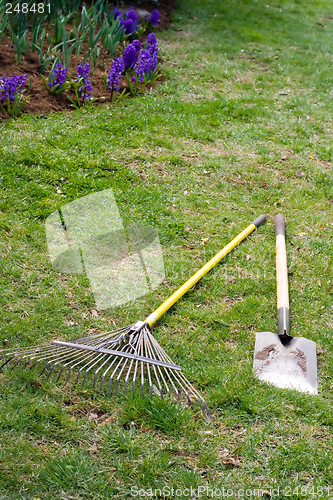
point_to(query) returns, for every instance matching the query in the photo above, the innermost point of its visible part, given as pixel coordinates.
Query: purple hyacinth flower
(3, 88)
(143, 65)
(151, 39)
(116, 13)
(11, 87)
(82, 77)
(115, 74)
(131, 14)
(152, 47)
(83, 72)
(127, 25)
(58, 76)
(154, 18)
(21, 82)
(130, 56)
(137, 45)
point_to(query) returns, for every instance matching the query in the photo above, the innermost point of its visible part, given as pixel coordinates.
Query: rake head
(126, 359)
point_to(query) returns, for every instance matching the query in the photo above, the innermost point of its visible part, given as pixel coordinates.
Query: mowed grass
(241, 125)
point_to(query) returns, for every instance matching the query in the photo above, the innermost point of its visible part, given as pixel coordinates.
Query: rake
(130, 353)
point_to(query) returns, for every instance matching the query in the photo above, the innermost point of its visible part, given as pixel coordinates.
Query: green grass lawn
(241, 125)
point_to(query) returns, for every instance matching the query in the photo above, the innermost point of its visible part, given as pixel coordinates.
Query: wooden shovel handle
(282, 275)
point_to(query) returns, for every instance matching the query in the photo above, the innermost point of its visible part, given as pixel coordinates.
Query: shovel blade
(291, 366)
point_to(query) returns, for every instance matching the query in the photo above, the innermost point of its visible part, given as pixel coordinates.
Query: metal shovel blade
(290, 364)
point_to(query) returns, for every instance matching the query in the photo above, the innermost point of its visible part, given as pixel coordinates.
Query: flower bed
(110, 46)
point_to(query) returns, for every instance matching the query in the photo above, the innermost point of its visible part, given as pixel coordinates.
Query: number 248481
(308, 491)
(25, 8)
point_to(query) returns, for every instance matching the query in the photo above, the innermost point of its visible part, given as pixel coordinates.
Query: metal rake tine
(70, 355)
(142, 374)
(119, 375)
(5, 355)
(110, 384)
(112, 375)
(57, 355)
(189, 400)
(134, 376)
(36, 354)
(166, 385)
(180, 378)
(99, 368)
(209, 415)
(102, 382)
(64, 356)
(78, 358)
(80, 361)
(78, 376)
(18, 361)
(127, 375)
(21, 356)
(52, 367)
(175, 388)
(68, 376)
(151, 384)
(183, 388)
(142, 381)
(104, 374)
(141, 353)
(136, 365)
(61, 371)
(148, 367)
(32, 366)
(84, 379)
(195, 394)
(57, 362)
(96, 371)
(89, 368)
(162, 357)
(151, 354)
(103, 377)
(36, 362)
(91, 355)
(8, 352)
(104, 339)
(114, 333)
(94, 382)
(46, 367)
(106, 371)
(85, 356)
(8, 361)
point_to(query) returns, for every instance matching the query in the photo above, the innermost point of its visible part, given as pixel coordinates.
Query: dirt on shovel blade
(290, 367)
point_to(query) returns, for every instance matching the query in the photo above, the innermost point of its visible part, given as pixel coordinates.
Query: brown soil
(266, 352)
(40, 101)
(301, 359)
(263, 355)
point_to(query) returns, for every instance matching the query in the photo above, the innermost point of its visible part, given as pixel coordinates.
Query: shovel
(282, 360)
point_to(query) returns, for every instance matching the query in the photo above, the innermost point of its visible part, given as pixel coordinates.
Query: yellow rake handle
(204, 270)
